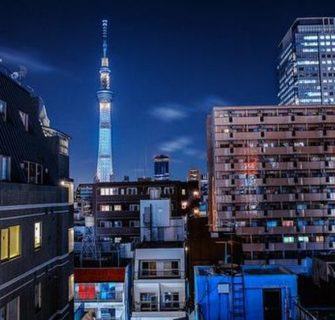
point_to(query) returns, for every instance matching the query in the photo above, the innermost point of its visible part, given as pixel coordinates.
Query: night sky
(170, 60)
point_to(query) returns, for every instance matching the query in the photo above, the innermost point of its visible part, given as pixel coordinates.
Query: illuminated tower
(105, 97)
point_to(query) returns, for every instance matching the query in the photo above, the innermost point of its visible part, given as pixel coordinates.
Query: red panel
(87, 275)
(86, 292)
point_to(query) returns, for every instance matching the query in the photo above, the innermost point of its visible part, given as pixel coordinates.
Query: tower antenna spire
(104, 37)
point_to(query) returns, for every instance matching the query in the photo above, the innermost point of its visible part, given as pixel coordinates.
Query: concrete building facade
(272, 180)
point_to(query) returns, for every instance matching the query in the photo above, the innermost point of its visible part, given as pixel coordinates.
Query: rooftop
(88, 275)
(232, 269)
(159, 244)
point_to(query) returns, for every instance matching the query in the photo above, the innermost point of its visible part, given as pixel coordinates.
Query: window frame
(38, 245)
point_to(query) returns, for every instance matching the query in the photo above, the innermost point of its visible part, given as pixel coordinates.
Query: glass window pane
(14, 241)
(4, 244)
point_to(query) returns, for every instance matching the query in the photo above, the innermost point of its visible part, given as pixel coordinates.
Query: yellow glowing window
(71, 239)
(4, 244)
(71, 287)
(14, 241)
(38, 235)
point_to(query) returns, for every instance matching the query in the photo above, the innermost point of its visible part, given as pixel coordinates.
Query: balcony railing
(117, 297)
(151, 306)
(154, 273)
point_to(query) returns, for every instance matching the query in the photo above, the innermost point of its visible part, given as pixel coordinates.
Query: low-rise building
(255, 292)
(159, 281)
(102, 292)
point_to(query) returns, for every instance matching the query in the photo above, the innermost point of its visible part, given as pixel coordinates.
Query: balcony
(88, 297)
(24, 193)
(119, 231)
(159, 274)
(153, 306)
(249, 230)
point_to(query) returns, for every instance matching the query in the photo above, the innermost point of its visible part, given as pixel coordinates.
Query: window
(33, 171)
(288, 223)
(171, 300)
(131, 191)
(11, 311)
(14, 241)
(38, 235)
(148, 301)
(4, 168)
(117, 224)
(4, 244)
(109, 191)
(288, 239)
(148, 268)
(3, 110)
(134, 223)
(171, 268)
(64, 146)
(134, 207)
(71, 239)
(117, 207)
(38, 296)
(303, 239)
(183, 192)
(71, 287)
(25, 120)
(319, 239)
(10, 242)
(105, 207)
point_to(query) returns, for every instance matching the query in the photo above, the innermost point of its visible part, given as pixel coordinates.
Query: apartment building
(36, 225)
(272, 180)
(116, 205)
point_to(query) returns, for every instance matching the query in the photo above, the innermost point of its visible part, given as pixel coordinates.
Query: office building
(105, 97)
(306, 69)
(272, 180)
(255, 292)
(161, 167)
(103, 293)
(36, 197)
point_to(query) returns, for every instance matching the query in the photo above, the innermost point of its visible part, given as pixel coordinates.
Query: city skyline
(170, 64)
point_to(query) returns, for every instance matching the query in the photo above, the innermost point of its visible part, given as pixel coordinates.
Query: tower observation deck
(105, 97)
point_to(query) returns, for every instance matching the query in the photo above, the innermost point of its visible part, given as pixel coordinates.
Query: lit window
(71, 239)
(25, 120)
(3, 109)
(303, 239)
(10, 242)
(288, 239)
(183, 192)
(4, 244)
(38, 235)
(4, 168)
(117, 207)
(288, 223)
(71, 287)
(184, 204)
(319, 239)
(14, 241)
(104, 207)
(38, 296)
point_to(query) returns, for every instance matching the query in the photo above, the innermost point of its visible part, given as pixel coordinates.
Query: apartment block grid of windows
(274, 179)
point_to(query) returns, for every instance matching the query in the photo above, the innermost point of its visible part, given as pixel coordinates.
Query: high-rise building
(272, 180)
(306, 67)
(105, 97)
(36, 224)
(161, 167)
